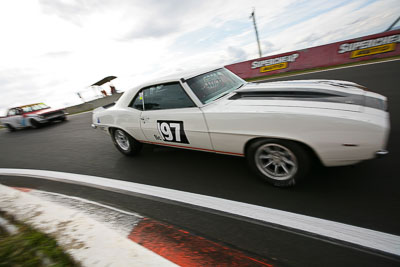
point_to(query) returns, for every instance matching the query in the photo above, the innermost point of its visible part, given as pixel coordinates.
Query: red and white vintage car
(34, 115)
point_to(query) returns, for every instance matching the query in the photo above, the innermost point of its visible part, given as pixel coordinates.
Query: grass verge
(278, 75)
(79, 112)
(30, 248)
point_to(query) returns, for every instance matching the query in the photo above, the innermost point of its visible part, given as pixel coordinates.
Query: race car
(33, 115)
(280, 127)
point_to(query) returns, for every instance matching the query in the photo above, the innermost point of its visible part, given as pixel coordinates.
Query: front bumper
(381, 153)
(45, 119)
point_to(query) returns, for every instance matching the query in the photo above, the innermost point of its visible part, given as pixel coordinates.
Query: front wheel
(35, 124)
(125, 143)
(279, 162)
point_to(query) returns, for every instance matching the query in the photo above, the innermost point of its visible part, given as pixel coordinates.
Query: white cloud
(237, 54)
(347, 21)
(52, 49)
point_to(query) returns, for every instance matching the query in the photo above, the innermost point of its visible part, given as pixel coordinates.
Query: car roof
(179, 75)
(127, 96)
(27, 105)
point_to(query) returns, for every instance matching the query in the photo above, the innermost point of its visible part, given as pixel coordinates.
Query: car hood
(327, 94)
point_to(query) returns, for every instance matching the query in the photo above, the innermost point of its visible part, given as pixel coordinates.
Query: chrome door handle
(144, 119)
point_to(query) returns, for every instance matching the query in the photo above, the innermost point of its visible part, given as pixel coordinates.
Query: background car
(33, 115)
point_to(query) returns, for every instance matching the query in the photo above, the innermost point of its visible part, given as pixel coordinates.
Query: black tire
(35, 124)
(10, 128)
(281, 163)
(63, 118)
(125, 143)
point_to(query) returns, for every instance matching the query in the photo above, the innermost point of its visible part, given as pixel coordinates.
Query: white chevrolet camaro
(280, 127)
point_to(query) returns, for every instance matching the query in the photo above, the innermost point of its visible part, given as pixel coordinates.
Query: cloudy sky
(52, 49)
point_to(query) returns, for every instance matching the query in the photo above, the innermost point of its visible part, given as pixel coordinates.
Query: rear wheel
(279, 162)
(10, 128)
(125, 143)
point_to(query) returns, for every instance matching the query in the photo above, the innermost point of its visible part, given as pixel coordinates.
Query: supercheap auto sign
(272, 64)
(379, 45)
(371, 46)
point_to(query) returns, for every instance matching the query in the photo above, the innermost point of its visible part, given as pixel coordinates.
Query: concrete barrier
(90, 105)
(355, 50)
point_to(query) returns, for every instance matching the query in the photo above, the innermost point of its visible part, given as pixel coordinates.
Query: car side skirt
(194, 148)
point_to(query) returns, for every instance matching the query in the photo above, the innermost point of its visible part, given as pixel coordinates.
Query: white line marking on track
(115, 219)
(89, 242)
(10, 228)
(93, 203)
(352, 234)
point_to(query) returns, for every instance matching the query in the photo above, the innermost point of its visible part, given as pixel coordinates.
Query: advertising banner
(364, 48)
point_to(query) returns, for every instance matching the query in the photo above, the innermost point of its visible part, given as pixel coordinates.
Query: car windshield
(215, 84)
(34, 107)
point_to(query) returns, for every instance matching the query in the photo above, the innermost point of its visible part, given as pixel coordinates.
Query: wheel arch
(306, 147)
(111, 130)
(134, 145)
(9, 126)
(31, 121)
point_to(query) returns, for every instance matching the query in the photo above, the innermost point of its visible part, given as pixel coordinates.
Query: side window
(137, 102)
(11, 112)
(166, 96)
(163, 96)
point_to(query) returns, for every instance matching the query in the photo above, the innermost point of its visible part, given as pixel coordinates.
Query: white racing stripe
(352, 234)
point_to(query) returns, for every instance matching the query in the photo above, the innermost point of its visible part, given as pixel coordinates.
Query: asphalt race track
(365, 195)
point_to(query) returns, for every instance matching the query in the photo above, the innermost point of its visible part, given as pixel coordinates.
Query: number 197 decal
(172, 131)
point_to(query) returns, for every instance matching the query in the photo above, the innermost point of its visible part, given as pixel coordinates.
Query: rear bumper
(100, 127)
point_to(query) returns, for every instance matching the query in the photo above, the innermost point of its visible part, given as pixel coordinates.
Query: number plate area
(172, 131)
(184, 127)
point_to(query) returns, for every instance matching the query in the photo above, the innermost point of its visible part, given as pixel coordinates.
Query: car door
(15, 118)
(170, 117)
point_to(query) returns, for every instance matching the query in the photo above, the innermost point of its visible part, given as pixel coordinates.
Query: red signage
(364, 48)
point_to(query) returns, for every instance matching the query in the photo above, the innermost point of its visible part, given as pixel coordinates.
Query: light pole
(394, 23)
(255, 28)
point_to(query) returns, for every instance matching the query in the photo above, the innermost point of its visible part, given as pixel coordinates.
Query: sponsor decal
(371, 46)
(373, 50)
(274, 63)
(212, 80)
(171, 131)
(278, 66)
